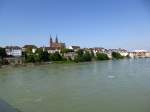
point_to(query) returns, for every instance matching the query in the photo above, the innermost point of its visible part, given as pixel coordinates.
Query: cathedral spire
(51, 41)
(56, 39)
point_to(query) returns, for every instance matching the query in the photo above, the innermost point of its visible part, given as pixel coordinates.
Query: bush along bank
(64, 56)
(59, 57)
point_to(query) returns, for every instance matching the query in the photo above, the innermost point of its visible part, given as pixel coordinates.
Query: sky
(88, 23)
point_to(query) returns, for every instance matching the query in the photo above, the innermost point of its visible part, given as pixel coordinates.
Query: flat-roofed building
(15, 51)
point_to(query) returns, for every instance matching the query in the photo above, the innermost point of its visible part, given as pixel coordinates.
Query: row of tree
(44, 56)
(82, 56)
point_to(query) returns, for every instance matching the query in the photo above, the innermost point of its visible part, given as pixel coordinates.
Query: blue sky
(88, 23)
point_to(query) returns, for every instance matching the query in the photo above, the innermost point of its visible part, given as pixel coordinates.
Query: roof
(32, 46)
(118, 50)
(13, 47)
(48, 48)
(75, 47)
(140, 50)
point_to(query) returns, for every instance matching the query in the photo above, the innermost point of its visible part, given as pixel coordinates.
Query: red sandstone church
(56, 44)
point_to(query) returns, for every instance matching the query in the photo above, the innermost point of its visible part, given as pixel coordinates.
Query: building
(14, 51)
(50, 50)
(74, 48)
(122, 52)
(70, 55)
(29, 48)
(99, 50)
(139, 54)
(15, 60)
(56, 44)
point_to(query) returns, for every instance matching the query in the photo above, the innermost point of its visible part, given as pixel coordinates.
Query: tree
(39, 52)
(56, 57)
(64, 50)
(2, 55)
(42, 55)
(80, 52)
(92, 53)
(30, 58)
(45, 56)
(83, 57)
(87, 56)
(117, 55)
(102, 56)
(37, 58)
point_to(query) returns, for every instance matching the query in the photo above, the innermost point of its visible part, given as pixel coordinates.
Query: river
(105, 86)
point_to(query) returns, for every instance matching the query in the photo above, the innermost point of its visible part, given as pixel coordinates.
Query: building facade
(13, 51)
(29, 48)
(56, 44)
(74, 48)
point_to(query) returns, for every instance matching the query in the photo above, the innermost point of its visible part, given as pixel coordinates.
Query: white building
(70, 55)
(140, 54)
(138, 51)
(51, 50)
(122, 52)
(75, 48)
(99, 50)
(13, 51)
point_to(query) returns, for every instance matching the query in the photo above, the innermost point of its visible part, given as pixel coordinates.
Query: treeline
(43, 56)
(81, 56)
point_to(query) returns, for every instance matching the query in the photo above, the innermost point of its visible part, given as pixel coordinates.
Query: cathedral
(56, 44)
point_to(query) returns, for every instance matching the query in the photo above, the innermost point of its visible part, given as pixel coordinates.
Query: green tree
(45, 56)
(80, 52)
(42, 55)
(2, 52)
(37, 58)
(117, 55)
(30, 58)
(56, 57)
(102, 56)
(64, 50)
(83, 57)
(92, 53)
(87, 56)
(39, 52)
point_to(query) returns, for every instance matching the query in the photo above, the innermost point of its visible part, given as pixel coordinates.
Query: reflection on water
(5, 107)
(107, 86)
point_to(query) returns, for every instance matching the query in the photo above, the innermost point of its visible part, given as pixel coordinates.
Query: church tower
(51, 41)
(56, 40)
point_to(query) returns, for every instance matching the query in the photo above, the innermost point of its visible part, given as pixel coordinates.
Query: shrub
(102, 56)
(116, 55)
(83, 57)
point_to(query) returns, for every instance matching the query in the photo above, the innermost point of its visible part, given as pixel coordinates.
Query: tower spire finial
(56, 39)
(51, 40)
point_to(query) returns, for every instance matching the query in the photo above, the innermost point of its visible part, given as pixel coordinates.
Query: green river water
(105, 86)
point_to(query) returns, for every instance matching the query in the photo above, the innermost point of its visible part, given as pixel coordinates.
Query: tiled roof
(12, 47)
(32, 46)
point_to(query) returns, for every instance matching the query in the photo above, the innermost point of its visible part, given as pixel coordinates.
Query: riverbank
(57, 62)
(45, 63)
(36, 64)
